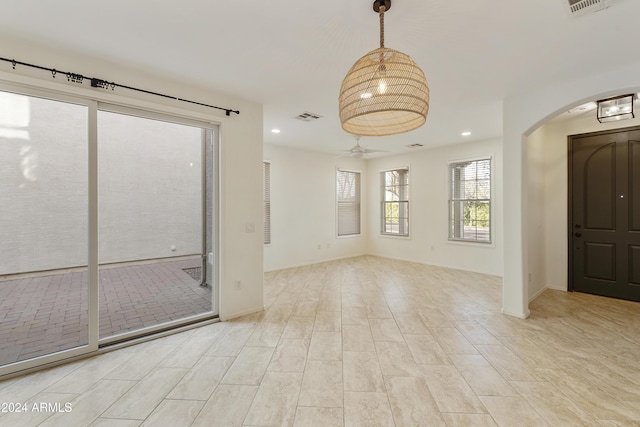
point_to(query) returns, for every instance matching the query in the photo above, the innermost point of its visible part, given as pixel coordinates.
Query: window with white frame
(266, 199)
(348, 202)
(395, 202)
(470, 200)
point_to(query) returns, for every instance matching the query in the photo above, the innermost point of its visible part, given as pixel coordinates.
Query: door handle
(578, 234)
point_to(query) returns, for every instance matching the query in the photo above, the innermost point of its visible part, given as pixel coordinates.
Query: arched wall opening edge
(522, 115)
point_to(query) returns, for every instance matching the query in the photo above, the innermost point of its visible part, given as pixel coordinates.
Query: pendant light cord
(382, 8)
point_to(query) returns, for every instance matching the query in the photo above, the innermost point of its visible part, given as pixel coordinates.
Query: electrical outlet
(237, 284)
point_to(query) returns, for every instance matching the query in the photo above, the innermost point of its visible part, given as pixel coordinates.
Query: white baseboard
(518, 315)
(537, 294)
(304, 264)
(452, 267)
(557, 288)
(320, 261)
(240, 314)
(541, 291)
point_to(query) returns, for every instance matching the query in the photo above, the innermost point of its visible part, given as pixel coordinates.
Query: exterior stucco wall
(149, 187)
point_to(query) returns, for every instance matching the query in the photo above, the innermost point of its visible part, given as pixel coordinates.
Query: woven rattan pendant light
(385, 92)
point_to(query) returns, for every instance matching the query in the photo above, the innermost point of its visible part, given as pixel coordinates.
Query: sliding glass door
(152, 228)
(44, 230)
(107, 225)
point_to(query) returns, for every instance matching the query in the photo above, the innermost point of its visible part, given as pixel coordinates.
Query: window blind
(348, 202)
(395, 202)
(266, 198)
(470, 201)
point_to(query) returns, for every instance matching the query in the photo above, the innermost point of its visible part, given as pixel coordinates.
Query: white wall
(241, 253)
(428, 223)
(537, 212)
(303, 208)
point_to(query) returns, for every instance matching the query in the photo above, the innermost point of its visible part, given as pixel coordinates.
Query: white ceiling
(291, 55)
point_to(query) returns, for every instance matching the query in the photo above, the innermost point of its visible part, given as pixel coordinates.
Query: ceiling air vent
(415, 145)
(581, 7)
(308, 117)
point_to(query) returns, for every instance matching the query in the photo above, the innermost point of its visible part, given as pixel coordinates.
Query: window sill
(395, 236)
(349, 236)
(472, 243)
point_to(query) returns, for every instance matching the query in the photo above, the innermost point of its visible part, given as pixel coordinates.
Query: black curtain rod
(103, 84)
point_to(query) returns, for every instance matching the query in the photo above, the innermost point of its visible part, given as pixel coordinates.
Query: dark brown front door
(604, 213)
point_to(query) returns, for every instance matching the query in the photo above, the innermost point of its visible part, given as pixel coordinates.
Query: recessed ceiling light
(275, 130)
(465, 133)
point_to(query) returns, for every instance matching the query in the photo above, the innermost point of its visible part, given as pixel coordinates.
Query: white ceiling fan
(358, 151)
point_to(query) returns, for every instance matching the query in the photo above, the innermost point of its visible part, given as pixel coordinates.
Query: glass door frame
(94, 104)
(207, 128)
(92, 228)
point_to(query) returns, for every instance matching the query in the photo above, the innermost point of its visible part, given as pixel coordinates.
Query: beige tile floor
(364, 342)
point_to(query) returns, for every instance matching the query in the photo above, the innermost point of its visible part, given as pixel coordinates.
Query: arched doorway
(522, 116)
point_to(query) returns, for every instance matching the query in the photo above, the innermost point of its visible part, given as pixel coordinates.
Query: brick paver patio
(41, 315)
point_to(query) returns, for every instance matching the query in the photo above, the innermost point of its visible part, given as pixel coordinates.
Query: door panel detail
(634, 186)
(599, 189)
(634, 265)
(600, 261)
